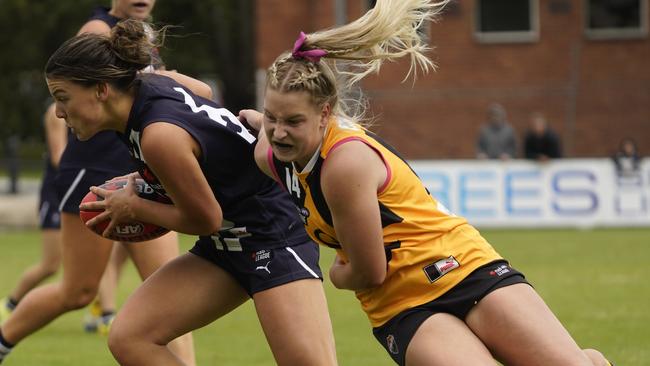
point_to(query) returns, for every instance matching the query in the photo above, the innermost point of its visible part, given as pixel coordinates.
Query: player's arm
(350, 190)
(253, 119)
(95, 26)
(56, 135)
(172, 154)
(196, 86)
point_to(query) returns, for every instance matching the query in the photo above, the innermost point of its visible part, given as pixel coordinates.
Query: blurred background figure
(627, 159)
(497, 137)
(49, 220)
(11, 147)
(629, 198)
(540, 141)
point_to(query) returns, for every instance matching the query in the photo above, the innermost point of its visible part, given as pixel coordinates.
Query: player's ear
(325, 112)
(101, 91)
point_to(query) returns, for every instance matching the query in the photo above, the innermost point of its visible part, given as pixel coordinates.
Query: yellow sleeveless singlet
(428, 249)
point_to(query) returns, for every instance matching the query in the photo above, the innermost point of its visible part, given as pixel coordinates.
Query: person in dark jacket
(541, 142)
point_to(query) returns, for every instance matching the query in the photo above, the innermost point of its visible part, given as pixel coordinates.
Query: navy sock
(5, 347)
(11, 303)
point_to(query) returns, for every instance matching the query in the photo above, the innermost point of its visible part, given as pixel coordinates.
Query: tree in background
(213, 38)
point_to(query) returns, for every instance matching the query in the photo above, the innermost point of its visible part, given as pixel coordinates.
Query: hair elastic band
(309, 55)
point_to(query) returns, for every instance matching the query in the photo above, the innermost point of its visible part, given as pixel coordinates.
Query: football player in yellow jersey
(435, 292)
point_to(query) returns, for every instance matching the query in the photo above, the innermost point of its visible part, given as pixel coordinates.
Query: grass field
(595, 281)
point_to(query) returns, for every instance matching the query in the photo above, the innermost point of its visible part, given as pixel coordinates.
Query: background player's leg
(109, 283)
(46, 267)
(85, 255)
(102, 310)
(148, 257)
(186, 294)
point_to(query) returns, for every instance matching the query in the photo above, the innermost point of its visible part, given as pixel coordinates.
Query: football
(132, 231)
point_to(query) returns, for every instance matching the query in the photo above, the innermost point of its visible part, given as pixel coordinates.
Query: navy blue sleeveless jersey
(103, 152)
(101, 13)
(257, 213)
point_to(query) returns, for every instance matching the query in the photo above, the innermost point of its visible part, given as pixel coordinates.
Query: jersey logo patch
(500, 270)
(440, 268)
(304, 214)
(392, 344)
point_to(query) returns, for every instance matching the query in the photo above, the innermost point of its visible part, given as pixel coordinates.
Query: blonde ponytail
(348, 53)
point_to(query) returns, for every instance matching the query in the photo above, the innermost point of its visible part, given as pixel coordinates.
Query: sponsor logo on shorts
(500, 270)
(440, 268)
(262, 259)
(392, 344)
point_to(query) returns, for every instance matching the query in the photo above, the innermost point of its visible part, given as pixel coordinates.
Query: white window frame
(617, 33)
(528, 36)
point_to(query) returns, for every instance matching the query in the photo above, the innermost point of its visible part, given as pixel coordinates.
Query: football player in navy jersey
(251, 240)
(85, 254)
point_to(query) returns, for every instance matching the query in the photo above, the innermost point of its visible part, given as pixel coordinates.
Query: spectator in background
(541, 142)
(497, 138)
(627, 158)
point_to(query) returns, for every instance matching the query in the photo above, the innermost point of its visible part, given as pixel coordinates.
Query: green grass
(595, 282)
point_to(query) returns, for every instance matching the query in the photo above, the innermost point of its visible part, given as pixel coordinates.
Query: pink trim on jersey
(269, 157)
(389, 172)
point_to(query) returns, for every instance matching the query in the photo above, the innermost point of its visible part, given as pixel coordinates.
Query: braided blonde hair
(355, 50)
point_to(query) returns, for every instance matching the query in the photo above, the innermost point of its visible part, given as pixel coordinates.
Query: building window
(500, 21)
(616, 19)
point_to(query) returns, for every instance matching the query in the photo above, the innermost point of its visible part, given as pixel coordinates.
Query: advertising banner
(559, 193)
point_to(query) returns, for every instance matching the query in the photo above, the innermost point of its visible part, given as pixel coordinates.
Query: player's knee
(49, 269)
(119, 345)
(124, 342)
(307, 358)
(78, 297)
(596, 358)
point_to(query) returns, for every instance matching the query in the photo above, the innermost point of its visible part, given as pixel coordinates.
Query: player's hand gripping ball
(131, 231)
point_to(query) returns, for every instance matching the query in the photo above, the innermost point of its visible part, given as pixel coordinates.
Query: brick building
(585, 64)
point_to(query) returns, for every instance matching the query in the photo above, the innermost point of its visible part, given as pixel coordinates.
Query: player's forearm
(347, 277)
(172, 218)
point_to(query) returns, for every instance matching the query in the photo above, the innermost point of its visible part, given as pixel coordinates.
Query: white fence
(561, 193)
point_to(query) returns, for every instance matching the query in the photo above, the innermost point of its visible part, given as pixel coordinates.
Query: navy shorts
(397, 333)
(259, 270)
(48, 207)
(72, 185)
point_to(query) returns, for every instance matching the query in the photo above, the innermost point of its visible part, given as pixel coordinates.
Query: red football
(132, 231)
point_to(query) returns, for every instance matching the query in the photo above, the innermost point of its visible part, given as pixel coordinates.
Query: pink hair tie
(309, 55)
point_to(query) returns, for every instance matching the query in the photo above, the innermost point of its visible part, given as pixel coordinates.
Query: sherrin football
(132, 231)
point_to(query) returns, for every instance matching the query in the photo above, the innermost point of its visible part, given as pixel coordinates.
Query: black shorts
(259, 270)
(397, 333)
(48, 207)
(72, 185)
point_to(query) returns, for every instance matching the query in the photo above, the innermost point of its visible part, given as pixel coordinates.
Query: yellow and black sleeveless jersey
(428, 250)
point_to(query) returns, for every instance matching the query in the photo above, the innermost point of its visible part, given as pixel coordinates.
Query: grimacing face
(294, 126)
(78, 105)
(133, 9)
